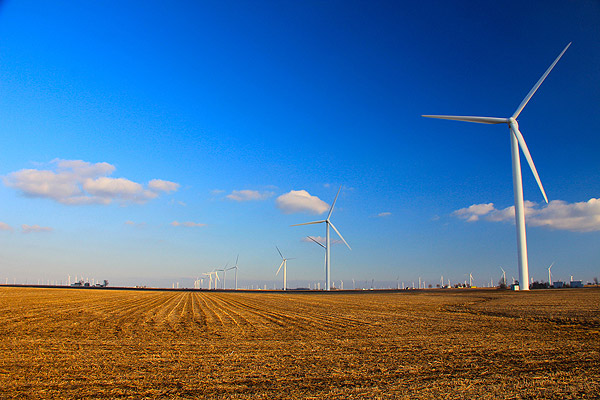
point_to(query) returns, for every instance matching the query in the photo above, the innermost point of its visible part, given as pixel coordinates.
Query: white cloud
(472, 213)
(384, 214)
(158, 185)
(76, 182)
(34, 228)
(111, 188)
(83, 168)
(300, 201)
(187, 224)
(558, 214)
(248, 195)
(5, 227)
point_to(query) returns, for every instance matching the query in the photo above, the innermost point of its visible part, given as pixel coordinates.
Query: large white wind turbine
(328, 223)
(284, 265)
(516, 140)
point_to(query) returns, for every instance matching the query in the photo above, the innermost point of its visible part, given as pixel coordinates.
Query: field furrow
(57, 343)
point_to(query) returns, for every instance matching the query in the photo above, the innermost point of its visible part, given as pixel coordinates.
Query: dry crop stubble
(66, 343)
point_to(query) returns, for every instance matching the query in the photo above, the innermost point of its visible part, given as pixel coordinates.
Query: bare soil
(436, 344)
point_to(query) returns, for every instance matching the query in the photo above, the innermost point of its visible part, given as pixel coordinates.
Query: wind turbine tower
(516, 141)
(328, 223)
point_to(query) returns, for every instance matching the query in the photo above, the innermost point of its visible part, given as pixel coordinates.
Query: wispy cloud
(187, 224)
(248, 195)
(135, 224)
(35, 228)
(384, 214)
(5, 227)
(558, 214)
(76, 182)
(300, 201)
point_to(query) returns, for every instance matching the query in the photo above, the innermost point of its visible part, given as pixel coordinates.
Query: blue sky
(147, 143)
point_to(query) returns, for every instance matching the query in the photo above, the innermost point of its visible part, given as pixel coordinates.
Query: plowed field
(66, 343)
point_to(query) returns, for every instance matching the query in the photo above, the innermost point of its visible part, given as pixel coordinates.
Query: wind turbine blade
(340, 235)
(279, 268)
(551, 265)
(466, 118)
(333, 205)
(537, 85)
(236, 260)
(279, 252)
(317, 242)
(515, 130)
(309, 223)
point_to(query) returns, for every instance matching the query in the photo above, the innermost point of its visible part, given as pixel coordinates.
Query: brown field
(65, 343)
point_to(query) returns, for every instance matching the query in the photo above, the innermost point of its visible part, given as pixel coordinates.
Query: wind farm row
(518, 144)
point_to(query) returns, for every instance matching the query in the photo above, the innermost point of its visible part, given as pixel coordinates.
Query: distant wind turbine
(236, 270)
(503, 276)
(284, 265)
(516, 140)
(550, 275)
(327, 245)
(224, 270)
(210, 276)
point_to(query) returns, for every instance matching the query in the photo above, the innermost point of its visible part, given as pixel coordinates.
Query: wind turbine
(516, 140)
(470, 279)
(236, 269)
(550, 275)
(284, 265)
(210, 276)
(224, 270)
(209, 279)
(503, 276)
(327, 245)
